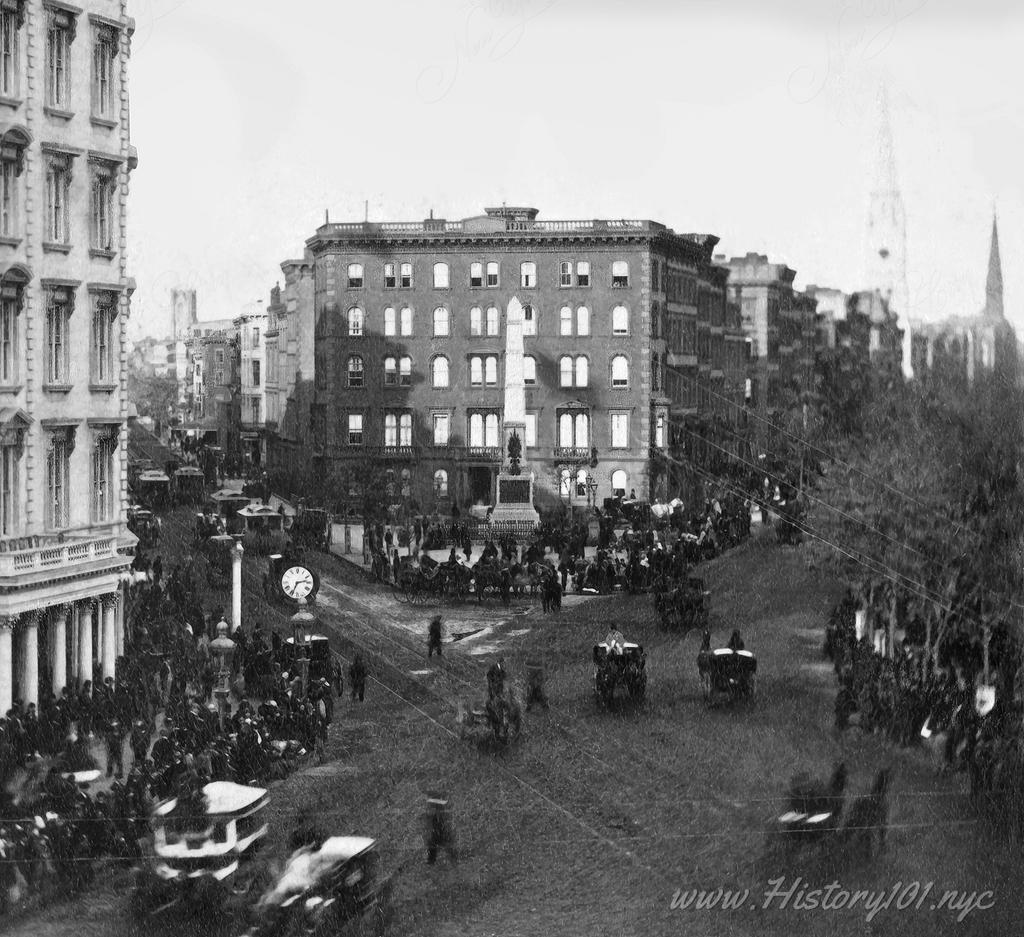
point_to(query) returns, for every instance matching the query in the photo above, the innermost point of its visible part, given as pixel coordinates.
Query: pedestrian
(434, 637)
(467, 546)
(357, 677)
(496, 678)
(396, 565)
(535, 692)
(115, 748)
(389, 538)
(139, 741)
(440, 831)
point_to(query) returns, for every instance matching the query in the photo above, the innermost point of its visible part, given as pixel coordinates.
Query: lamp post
(302, 624)
(223, 650)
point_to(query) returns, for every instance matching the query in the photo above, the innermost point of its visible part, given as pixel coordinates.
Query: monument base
(515, 500)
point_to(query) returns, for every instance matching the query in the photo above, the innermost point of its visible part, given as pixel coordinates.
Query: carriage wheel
(399, 593)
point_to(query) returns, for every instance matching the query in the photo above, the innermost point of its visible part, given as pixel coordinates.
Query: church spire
(994, 282)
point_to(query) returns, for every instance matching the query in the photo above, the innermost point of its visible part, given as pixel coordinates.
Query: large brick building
(65, 159)
(625, 338)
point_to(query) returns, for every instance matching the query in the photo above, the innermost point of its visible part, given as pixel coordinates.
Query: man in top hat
(434, 637)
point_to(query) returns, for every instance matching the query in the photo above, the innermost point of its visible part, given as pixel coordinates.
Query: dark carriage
(684, 607)
(143, 524)
(189, 485)
(728, 675)
(418, 586)
(153, 490)
(311, 528)
(619, 664)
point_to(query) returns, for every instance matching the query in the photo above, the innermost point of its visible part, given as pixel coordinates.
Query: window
(531, 431)
(355, 276)
(255, 373)
(440, 276)
(8, 489)
(390, 429)
(620, 430)
(620, 321)
(565, 321)
(355, 322)
(10, 354)
(104, 183)
(12, 161)
(573, 371)
(255, 338)
(619, 480)
(439, 371)
(476, 275)
(355, 429)
(390, 280)
(104, 313)
(440, 322)
(355, 371)
(58, 182)
(565, 273)
(59, 35)
(659, 431)
(476, 429)
(398, 428)
(583, 273)
(476, 371)
(406, 274)
(491, 370)
(254, 409)
(529, 321)
(390, 371)
(58, 458)
(390, 321)
(441, 483)
(441, 427)
(406, 322)
(565, 483)
(58, 313)
(9, 50)
(565, 371)
(405, 429)
(583, 321)
(405, 371)
(483, 369)
(573, 430)
(492, 320)
(492, 273)
(620, 371)
(582, 371)
(491, 430)
(476, 321)
(620, 273)
(528, 275)
(529, 370)
(581, 483)
(483, 429)
(218, 377)
(104, 55)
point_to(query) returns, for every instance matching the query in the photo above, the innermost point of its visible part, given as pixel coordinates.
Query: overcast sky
(754, 120)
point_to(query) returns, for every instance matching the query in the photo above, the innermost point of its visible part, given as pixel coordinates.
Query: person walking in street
(357, 677)
(434, 637)
(535, 692)
(440, 831)
(114, 737)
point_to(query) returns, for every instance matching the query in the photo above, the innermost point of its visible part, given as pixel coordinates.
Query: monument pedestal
(515, 500)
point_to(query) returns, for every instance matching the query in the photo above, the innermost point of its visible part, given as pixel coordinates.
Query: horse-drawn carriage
(145, 525)
(209, 525)
(500, 717)
(207, 854)
(726, 673)
(189, 485)
(418, 585)
(685, 606)
(619, 663)
(153, 490)
(311, 528)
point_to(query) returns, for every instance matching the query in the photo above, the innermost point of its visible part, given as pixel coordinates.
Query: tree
(154, 395)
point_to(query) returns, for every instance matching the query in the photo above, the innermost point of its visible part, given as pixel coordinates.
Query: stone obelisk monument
(515, 485)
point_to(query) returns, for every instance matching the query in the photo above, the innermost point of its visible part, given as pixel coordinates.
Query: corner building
(409, 351)
(65, 159)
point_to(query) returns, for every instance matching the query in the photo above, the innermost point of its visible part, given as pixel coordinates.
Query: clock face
(297, 582)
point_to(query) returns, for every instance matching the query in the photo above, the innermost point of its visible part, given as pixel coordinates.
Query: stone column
(236, 586)
(6, 664)
(109, 640)
(119, 622)
(30, 646)
(85, 612)
(76, 652)
(58, 648)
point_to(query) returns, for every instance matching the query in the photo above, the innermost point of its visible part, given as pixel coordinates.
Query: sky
(754, 120)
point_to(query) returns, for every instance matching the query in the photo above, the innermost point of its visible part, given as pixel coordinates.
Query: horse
(868, 819)
(551, 594)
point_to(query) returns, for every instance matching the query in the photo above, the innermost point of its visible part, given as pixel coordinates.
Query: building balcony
(572, 454)
(27, 555)
(393, 452)
(483, 453)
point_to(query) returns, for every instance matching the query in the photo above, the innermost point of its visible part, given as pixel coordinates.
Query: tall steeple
(994, 282)
(886, 260)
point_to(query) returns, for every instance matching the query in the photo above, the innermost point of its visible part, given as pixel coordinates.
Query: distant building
(863, 322)
(212, 360)
(251, 390)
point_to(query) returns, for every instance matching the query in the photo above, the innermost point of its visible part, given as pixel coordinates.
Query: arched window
(582, 371)
(565, 321)
(529, 369)
(581, 426)
(529, 321)
(390, 321)
(492, 273)
(620, 321)
(406, 322)
(476, 274)
(476, 370)
(390, 370)
(476, 429)
(440, 322)
(583, 321)
(390, 429)
(441, 483)
(620, 371)
(355, 371)
(355, 321)
(405, 371)
(440, 276)
(492, 320)
(406, 272)
(619, 483)
(491, 430)
(476, 321)
(565, 371)
(581, 483)
(439, 371)
(491, 369)
(564, 483)
(405, 432)
(355, 276)
(565, 429)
